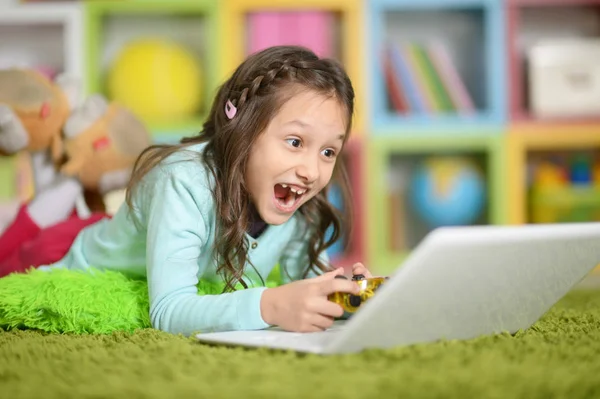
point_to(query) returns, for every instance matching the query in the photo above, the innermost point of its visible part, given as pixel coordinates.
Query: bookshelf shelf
(47, 37)
(441, 46)
(531, 23)
(542, 3)
(392, 164)
(234, 23)
(525, 141)
(588, 197)
(461, 44)
(190, 26)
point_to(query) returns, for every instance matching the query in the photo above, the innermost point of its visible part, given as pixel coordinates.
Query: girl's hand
(303, 306)
(359, 268)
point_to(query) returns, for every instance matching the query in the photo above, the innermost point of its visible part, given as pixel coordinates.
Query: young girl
(230, 204)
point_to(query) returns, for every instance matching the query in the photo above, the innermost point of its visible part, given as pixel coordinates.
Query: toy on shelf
(157, 79)
(448, 190)
(349, 302)
(565, 189)
(581, 169)
(563, 78)
(549, 174)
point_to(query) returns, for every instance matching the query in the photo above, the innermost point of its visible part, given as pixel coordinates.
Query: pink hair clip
(230, 109)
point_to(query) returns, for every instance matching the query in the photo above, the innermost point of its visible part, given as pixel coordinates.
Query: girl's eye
(329, 153)
(294, 142)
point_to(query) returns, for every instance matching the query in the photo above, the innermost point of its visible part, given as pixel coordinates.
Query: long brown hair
(257, 90)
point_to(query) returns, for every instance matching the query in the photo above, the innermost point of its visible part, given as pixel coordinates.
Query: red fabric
(32, 246)
(22, 229)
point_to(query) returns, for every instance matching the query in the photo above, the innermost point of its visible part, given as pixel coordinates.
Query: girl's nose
(308, 169)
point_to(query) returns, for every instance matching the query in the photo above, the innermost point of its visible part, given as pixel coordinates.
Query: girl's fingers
(328, 308)
(330, 286)
(330, 275)
(322, 322)
(359, 268)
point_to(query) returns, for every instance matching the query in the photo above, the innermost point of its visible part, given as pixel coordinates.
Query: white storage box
(564, 78)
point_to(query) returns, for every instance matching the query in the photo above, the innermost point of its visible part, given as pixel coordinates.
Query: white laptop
(459, 283)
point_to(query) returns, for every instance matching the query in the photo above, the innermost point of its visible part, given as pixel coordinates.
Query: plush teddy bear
(33, 111)
(93, 156)
(102, 142)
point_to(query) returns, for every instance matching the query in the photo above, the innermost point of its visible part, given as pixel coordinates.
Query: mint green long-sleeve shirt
(172, 246)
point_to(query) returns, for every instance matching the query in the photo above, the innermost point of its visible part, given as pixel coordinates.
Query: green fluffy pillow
(70, 301)
(65, 301)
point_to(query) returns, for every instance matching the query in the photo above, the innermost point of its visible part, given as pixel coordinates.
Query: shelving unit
(189, 25)
(532, 21)
(421, 44)
(49, 38)
(471, 32)
(524, 141)
(541, 149)
(349, 23)
(399, 127)
(408, 153)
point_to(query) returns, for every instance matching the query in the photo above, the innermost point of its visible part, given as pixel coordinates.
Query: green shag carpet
(558, 358)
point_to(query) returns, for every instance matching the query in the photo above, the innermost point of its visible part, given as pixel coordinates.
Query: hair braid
(276, 71)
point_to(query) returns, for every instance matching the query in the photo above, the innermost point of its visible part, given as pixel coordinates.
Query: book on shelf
(264, 30)
(312, 29)
(315, 31)
(422, 79)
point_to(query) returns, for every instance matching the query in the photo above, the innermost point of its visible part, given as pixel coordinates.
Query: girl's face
(293, 159)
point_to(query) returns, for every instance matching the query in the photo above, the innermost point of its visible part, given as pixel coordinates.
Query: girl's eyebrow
(305, 125)
(298, 122)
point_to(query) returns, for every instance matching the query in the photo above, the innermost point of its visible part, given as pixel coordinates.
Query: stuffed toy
(33, 110)
(93, 154)
(102, 142)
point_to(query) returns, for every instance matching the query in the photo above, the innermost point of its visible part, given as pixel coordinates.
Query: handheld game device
(350, 302)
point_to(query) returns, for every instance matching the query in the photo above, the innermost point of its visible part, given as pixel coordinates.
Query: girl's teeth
(296, 191)
(293, 189)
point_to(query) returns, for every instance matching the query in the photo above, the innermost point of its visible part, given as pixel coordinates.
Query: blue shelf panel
(430, 4)
(482, 21)
(401, 124)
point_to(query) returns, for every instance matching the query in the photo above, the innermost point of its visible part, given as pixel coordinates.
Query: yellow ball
(158, 80)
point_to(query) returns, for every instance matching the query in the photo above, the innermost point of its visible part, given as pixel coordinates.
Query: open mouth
(288, 197)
